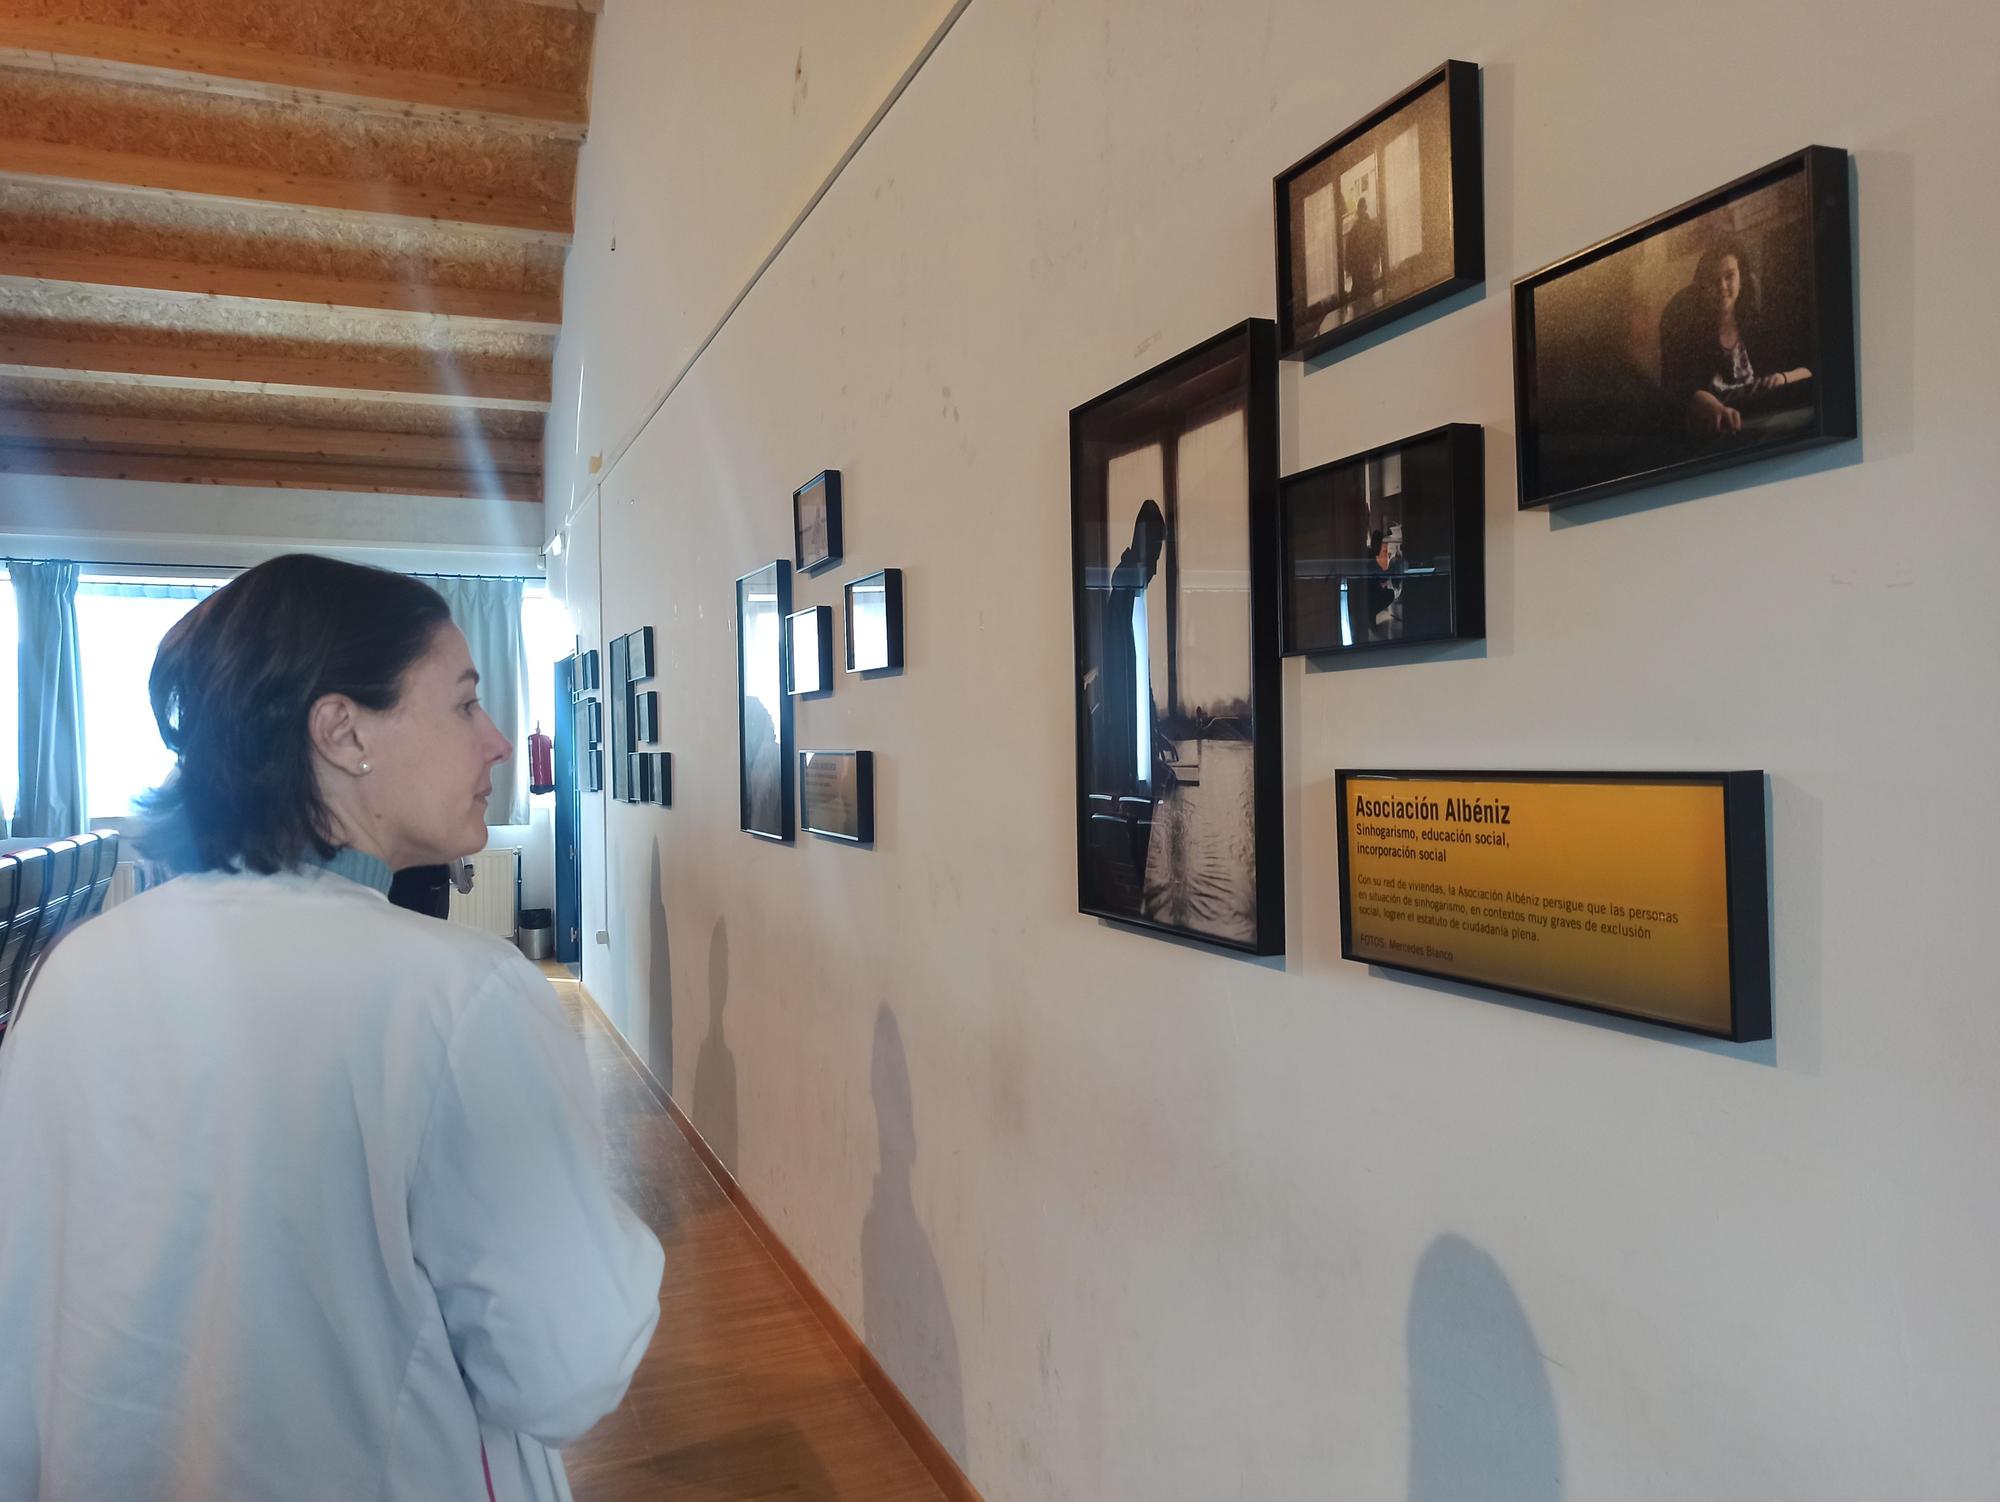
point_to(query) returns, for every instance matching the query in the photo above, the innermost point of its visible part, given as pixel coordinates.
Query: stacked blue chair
(28, 876)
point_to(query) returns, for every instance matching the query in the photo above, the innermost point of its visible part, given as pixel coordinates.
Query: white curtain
(488, 611)
(1213, 537)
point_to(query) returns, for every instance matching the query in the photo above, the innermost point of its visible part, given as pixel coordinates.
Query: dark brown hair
(233, 685)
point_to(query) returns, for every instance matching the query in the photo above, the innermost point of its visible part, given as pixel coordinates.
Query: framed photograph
(1174, 580)
(837, 794)
(589, 683)
(639, 654)
(593, 722)
(1386, 546)
(1719, 332)
(663, 778)
(875, 622)
(816, 521)
(591, 763)
(763, 708)
(647, 719)
(1386, 218)
(619, 655)
(811, 651)
(1640, 894)
(639, 776)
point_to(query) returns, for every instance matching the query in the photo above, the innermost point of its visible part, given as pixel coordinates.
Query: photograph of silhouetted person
(1364, 257)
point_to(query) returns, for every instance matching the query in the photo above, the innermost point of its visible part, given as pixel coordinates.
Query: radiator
(493, 905)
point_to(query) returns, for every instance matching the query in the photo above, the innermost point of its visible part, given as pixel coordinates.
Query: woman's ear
(334, 726)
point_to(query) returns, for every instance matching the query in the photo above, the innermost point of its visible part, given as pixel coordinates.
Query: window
(119, 625)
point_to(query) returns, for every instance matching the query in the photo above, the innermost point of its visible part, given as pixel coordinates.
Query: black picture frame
(663, 778)
(874, 605)
(845, 810)
(1592, 418)
(646, 721)
(809, 656)
(1204, 743)
(1386, 547)
(816, 539)
(1324, 299)
(619, 694)
(639, 777)
(763, 708)
(1745, 872)
(593, 722)
(639, 653)
(589, 684)
(591, 763)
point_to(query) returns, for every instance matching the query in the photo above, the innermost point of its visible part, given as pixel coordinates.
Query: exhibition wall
(1124, 1216)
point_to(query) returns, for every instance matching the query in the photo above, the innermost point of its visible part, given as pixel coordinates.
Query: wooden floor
(742, 1394)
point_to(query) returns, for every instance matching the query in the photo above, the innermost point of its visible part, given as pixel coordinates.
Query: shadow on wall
(1482, 1414)
(715, 1066)
(904, 1316)
(659, 982)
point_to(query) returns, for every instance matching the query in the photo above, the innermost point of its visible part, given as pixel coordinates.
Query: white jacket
(301, 1199)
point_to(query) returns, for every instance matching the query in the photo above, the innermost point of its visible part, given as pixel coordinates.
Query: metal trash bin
(538, 933)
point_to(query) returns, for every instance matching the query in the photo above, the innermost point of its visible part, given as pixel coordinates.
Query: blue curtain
(488, 611)
(51, 802)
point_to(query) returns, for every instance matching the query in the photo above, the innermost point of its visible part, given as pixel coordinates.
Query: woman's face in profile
(432, 758)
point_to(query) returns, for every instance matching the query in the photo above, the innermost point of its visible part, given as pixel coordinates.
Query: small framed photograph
(591, 763)
(875, 622)
(662, 778)
(593, 722)
(816, 521)
(763, 708)
(639, 777)
(589, 672)
(647, 717)
(1386, 546)
(837, 795)
(1719, 332)
(639, 654)
(811, 662)
(1386, 218)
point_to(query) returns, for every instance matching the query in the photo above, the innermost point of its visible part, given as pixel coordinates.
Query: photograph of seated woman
(1710, 342)
(303, 1192)
(1689, 342)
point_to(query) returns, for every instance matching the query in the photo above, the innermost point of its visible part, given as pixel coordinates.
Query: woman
(301, 1191)
(1706, 339)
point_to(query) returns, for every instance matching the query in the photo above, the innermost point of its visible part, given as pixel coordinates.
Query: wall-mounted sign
(1642, 895)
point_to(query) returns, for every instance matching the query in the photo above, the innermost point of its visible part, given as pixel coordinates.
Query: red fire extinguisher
(541, 762)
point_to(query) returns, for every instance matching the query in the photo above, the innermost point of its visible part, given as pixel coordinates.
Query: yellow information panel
(1643, 896)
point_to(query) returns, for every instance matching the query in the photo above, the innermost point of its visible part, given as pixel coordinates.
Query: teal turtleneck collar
(356, 865)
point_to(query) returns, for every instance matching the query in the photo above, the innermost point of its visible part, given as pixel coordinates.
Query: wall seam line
(909, 76)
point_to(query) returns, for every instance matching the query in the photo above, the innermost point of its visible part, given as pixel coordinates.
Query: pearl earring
(365, 767)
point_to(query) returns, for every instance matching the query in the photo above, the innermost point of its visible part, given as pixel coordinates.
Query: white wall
(724, 120)
(1128, 1219)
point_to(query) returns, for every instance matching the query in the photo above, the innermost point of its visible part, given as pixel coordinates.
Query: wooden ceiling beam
(30, 427)
(428, 383)
(584, 7)
(268, 473)
(125, 55)
(367, 200)
(483, 308)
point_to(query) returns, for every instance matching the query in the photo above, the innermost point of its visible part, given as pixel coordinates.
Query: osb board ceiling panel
(55, 312)
(296, 346)
(232, 406)
(498, 41)
(442, 155)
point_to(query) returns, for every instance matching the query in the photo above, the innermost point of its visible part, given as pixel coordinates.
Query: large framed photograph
(1719, 332)
(837, 795)
(816, 521)
(1640, 894)
(763, 708)
(1386, 218)
(1387, 546)
(875, 622)
(1173, 517)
